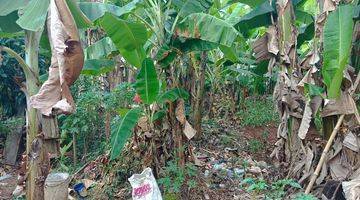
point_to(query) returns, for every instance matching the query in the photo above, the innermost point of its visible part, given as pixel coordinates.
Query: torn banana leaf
(66, 62)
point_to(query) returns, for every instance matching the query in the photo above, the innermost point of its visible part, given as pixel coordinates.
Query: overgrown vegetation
(132, 80)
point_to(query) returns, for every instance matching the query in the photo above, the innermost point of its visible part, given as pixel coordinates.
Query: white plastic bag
(144, 186)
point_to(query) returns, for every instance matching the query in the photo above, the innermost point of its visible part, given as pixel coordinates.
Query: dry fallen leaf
(189, 131)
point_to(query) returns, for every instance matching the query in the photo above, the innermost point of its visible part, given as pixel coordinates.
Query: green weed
(258, 112)
(175, 177)
(255, 146)
(275, 190)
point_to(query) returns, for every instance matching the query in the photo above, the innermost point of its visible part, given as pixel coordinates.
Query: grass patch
(258, 112)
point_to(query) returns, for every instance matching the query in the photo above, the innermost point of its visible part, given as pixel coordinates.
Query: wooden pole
(330, 141)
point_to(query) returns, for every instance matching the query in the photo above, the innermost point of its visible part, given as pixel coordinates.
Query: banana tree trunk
(37, 163)
(199, 98)
(288, 63)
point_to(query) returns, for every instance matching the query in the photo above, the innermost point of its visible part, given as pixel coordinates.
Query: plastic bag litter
(144, 186)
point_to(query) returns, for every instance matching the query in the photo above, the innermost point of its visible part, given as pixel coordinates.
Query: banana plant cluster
(148, 87)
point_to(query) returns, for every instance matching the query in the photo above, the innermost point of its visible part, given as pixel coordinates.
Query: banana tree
(31, 70)
(31, 24)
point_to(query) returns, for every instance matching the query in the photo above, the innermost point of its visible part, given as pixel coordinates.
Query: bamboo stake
(330, 141)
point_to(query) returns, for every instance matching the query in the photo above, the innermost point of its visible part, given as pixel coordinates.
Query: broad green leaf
(158, 115)
(125, 35)
(307, 27)
(173, 95)
(95, 10)
(305, 34)
(260, 16)
(34, 15)
(236, 11)
(187, 7)
(97, 67)
(147, 83)
(8, 23)
(192, 44)
(9, 6)
(100, 49)
(230, 53)
(337, 45)
(251, 3)
(124, 131)
(134, 57)
(208, 28)
(309, 6)
(165, 56)
(80, 19)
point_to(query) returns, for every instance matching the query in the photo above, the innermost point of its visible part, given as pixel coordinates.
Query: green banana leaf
(9, 6)
(165, 56)
(80, 19)
(158, 115)
(128, 37)
(125, 34)
(123, 132)
(173, 95)
(187, 7)
(338, 31)
(134, 57)
(230, 53)
(193, 44)
(96, 67)
(8, 23)
(307, 26)
(95, 10)
(147, 83)
(100, 49)
(251, 3)
(34, 15)
(260, 16)
(207, 28)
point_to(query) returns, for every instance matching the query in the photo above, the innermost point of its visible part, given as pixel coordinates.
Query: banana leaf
(173, 95)
(100, 49)
(80, 19)
(147, 83)
(95, 10)
(9, 6)
(187, 7)
(207, 28)
(260, 16)
(123, 132)
(96, 67)
(34, 15)
(338, 31)
(125, 34)
(8, 23)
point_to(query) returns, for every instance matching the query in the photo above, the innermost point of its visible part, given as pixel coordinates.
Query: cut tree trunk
(12, 145)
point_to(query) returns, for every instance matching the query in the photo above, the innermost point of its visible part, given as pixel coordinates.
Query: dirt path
(226, 152)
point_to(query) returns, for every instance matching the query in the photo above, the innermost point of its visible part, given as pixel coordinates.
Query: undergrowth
(258, 112)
